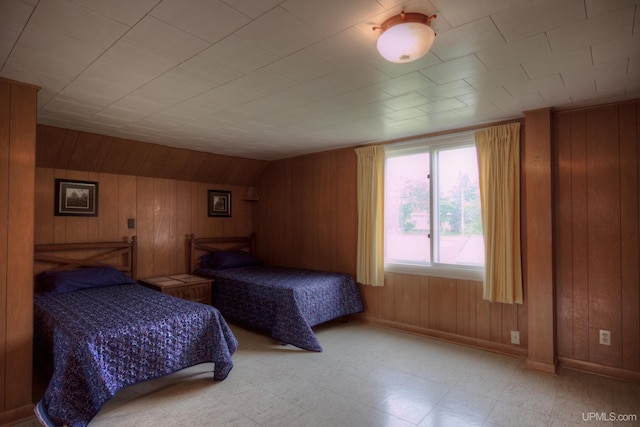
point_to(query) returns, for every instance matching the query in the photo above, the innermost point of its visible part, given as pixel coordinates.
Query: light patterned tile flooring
(369, 376)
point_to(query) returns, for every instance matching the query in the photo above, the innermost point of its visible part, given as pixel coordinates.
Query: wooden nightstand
(185, 286)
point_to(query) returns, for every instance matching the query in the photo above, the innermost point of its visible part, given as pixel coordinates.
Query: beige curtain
(370, 261)
(498, 151)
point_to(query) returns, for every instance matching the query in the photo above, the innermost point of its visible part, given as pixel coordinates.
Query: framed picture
(219, 203)
(76, 198)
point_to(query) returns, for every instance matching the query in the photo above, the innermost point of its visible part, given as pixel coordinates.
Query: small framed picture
(76, 198)
(219, 203)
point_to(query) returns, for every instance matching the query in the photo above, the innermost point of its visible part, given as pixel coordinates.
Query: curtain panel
(498, 150)
(370, 257)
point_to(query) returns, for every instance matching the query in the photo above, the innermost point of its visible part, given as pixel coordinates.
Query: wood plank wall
(597, 236)
(166, 211)
(307, 217)
(68, 149)
(17, 165)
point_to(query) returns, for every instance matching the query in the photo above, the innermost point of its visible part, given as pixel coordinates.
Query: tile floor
(368, 376)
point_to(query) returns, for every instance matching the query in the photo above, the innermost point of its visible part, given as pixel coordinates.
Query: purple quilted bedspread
(284, 302)
(105, 339)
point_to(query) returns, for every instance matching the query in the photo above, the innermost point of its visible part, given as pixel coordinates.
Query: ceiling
(270, 79)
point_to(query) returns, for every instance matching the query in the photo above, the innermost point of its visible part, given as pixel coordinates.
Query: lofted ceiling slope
(270, 79)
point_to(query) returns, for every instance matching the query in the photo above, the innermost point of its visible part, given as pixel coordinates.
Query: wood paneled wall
(166, 211)
(17, 165)
(307, 217)
(68, 149)
(597, 236)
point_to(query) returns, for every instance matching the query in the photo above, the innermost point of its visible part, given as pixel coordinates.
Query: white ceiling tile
(56, 46)
(169, 89)
(93, 91)
(123, 79)
(365, 95)
(128, 12)
(515, 52)
(615, 71)
(239, 54)
(264, 81)
(74, 20)
(280, 32)
(442, 105)
(592, 31)
(459, 12)
(448, 90)
(15, 15)
(132, 59)
(558, 63)
(600, 7)
(302, 66)
(405, 101)
(155, 36)
(210, 20)
(615, 49)
(456, 69)
(492, 79)
(253, 8)
(469, 38)
(203, 70)
(537, 16)
(322, 14)
(346, 48)
(404, 84)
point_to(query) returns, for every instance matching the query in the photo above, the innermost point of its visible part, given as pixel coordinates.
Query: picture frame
(219, 203)
(76, 198)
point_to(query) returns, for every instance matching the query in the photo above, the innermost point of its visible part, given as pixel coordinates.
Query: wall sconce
(250, 194)
(405, 37)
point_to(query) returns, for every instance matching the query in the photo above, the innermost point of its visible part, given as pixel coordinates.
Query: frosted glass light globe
(406, 42)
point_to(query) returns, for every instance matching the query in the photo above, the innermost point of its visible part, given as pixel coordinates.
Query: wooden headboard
(67, 256)
(198, 246)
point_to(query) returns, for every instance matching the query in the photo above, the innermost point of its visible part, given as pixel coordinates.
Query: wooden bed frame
(198, 246)
(68, 256)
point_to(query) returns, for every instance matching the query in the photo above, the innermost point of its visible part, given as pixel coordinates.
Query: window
(432, 208)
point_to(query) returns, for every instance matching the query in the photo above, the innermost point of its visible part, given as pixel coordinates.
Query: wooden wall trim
(538, 228)
(596, 368)
(481, 344)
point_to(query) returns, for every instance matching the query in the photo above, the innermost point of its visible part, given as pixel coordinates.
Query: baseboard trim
(594, 368)
(16, 415)
(544, 367)
(509, 350)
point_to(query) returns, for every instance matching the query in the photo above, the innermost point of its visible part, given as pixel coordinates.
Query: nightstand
(185, 286)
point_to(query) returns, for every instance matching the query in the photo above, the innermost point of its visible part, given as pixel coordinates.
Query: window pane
(407, 213)
(459, 238)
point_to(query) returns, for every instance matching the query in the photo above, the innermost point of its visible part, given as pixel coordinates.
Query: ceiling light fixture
(405, 37)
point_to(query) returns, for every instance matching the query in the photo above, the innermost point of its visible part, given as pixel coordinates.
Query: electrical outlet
(515, 337)
(605, 337)
(131, 223)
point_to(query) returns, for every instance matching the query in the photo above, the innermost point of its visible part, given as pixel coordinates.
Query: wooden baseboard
(509, 350)
(595, 368)
(16, 415)
(544, 367)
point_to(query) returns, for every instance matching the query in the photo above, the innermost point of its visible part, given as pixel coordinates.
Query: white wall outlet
(605, 337)
(515, 337)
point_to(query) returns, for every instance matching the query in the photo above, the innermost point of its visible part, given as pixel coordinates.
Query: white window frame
(431, 144)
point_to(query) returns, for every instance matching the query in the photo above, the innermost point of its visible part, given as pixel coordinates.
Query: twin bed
(97, 331)
(283, 302)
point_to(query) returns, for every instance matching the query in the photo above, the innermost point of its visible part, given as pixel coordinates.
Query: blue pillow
(221, 260)
(84, 278)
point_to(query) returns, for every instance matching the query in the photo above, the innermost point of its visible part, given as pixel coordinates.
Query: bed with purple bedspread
(283, 302)
(107, 338)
